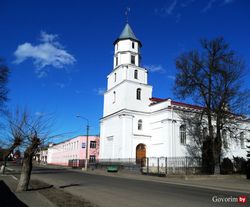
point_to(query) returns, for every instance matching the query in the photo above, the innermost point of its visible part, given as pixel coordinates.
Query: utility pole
(87, 141)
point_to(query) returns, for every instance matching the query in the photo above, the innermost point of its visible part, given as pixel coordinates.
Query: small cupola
(127, 33)
(127, 48)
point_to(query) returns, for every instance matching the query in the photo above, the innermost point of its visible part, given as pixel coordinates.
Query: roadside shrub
(226, 166)
(240, 165)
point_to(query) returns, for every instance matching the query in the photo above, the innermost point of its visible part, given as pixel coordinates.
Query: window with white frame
(92, 144)
(183, 134)
(139, 124)
(114, 97)
(138, 94)
(132, 59)
(92, 159)
(116, 61)
(135, 74)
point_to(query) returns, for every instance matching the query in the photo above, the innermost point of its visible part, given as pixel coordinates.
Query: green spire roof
(127, 33)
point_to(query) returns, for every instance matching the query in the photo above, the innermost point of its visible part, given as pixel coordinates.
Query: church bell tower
(126, 100)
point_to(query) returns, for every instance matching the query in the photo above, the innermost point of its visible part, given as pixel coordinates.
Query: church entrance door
(141, 154)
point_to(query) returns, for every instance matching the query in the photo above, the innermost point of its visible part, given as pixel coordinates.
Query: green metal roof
(127, 33)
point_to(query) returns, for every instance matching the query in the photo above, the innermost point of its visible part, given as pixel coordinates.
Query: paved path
(109, 191)
(9, 198)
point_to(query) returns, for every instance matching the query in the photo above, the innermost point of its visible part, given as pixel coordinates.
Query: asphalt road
(113, 192)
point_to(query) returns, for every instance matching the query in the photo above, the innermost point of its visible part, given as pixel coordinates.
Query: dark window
(92, 144)
(92, 159)
(242, 140)
(183, 134)
(133, 45)
(136, 74)
(115, 77)
(132, 59)
(138, 94)
(114, 97)
(116, 61)
(224, 138)
(140, 124)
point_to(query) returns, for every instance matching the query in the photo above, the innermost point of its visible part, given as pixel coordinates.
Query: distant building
(137, 125)
(72, 149)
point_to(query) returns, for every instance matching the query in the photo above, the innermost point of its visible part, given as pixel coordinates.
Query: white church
(137, 125)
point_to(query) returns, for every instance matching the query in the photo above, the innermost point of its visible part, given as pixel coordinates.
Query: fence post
(166, 165)
(147, 165)
(186, 164)
(158, 166)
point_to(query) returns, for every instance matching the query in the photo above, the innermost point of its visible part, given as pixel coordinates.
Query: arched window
(138, 94)
(139, 124)
(133, 45)
(242, 141)
(132, 59)
(115, 77)
(183, 134)
(136, 74)
(116, 61)
(114, 97)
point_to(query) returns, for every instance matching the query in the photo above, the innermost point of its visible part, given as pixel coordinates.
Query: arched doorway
(141, 154)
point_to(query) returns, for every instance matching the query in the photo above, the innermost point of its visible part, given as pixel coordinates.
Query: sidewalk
(22, 199)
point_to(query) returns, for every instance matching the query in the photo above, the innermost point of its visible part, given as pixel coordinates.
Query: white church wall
(125, 98)
(126, 72)
(110, 135)
(126, 45)
(116, 77)
(142, 73)
(160, 106)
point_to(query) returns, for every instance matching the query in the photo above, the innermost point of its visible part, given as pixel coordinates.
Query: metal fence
(172, 165)
(149, 165)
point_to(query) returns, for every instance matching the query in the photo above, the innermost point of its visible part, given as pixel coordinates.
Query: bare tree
(36, 131)
(15, 134)
(4, 74)
(213, 78)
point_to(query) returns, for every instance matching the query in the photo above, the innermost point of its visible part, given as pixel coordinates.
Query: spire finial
(126, 13)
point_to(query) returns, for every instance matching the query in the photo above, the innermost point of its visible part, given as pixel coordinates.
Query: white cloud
(38, 113)
(60, 85)
(167, 9)
(172, 77)
(48, 53)
(212, 2)
(100, 91)
(155, 68)
(208, 6)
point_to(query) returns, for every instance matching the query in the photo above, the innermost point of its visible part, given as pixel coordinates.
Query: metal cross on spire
(126, 13)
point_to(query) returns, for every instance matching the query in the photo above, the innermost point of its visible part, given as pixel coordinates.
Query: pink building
(73, 149)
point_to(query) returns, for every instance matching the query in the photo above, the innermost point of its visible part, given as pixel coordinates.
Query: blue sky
(60, 52)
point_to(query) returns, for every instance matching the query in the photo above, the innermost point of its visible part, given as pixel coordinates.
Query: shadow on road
(41, 188)
(8, 198)
(70, 185)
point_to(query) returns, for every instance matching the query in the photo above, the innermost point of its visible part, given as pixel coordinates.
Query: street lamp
(87, 140)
